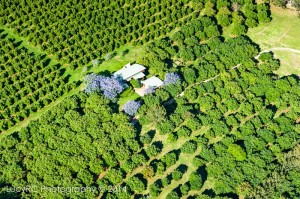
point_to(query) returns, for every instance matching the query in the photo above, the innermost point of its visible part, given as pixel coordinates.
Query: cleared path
(278, 49)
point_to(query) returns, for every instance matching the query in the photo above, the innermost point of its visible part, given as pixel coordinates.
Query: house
(128, 72)
(152, 82)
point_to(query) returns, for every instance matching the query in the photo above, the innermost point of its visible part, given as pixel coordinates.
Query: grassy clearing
(109, 66)
(185, 159)
(131, 95)
(282, 31)
(290, 63)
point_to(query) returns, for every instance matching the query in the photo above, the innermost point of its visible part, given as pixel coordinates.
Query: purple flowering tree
(111, 86)
(149, 90)
(92, 82)
(172, 78)
(131, 107)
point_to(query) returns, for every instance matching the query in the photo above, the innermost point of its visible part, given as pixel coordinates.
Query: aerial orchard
(210, 142)
(222, 125)
(28, 81)
(78, 32)
(239, 117)
(80, 138)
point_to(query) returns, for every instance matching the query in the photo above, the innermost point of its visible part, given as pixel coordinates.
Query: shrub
(237, 152)
(195, 181)
(154, 190)
(189, 147)
(146, 139)
(172, 195)
(184, 189)
(176, 175)
(135, 83)
(136, 184)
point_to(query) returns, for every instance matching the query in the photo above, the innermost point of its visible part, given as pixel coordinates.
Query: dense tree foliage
(70, 146)
(234, 110)
(28, 81)
(78, 32)
(222, 126)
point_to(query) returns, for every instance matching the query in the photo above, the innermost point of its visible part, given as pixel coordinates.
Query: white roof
(138, 75)
(153, 82)
(129, 70)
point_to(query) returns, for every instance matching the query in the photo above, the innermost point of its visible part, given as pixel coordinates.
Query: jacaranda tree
(172, 78)
(131, 107)
(149, 90)
(92, 83)
(111, 86)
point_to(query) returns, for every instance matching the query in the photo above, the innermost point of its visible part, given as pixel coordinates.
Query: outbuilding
(153, 82)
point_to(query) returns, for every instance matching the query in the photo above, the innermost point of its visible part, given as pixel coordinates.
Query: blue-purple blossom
(92, 82)
(172, 78)
(131, 107)
(149, 90)
(111, 86)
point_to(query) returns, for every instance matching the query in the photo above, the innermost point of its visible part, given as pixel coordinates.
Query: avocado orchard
(28, 81)
(224, 125)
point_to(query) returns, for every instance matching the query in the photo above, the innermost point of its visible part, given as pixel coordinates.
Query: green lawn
(128, 94)
(290, 63)
(114, 64)
(282, 31)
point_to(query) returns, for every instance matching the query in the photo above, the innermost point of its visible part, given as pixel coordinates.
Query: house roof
(153, 82)
(138, 75)
(129, 70)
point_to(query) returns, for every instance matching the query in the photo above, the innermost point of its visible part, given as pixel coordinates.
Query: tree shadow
(17, 44)
(272, 107)
(62, 71)
(46, 62)
(158, 183)
(138, 127)
(158, 144)
(202, 171)
(4, 35)
(7, 191)
(66, 79)
(12, 40)
(151, 133)
(229, 195)
(43, 56)
(125, 52)
(105, 73)
(209, 192)
(192, 197)
(177, 152)
(141, 177)
(183, 168)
